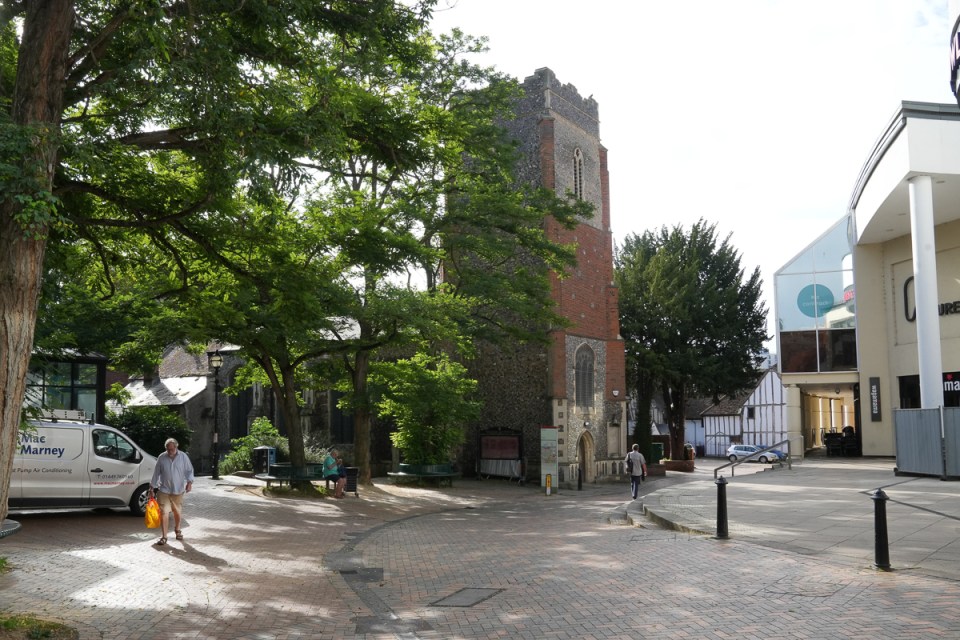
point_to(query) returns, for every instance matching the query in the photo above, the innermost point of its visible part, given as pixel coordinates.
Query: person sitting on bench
(331, 472)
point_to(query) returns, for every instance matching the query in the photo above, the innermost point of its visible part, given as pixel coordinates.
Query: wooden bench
(284, 472)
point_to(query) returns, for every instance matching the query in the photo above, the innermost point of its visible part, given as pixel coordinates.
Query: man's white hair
(169, 440)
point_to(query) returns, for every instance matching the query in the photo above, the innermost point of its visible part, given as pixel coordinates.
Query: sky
(755, 115)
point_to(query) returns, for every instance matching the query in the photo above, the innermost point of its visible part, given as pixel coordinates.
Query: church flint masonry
(576, 383)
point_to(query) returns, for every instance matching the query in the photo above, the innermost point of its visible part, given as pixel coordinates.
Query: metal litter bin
(263, 457)
(656, 452)
(352, 474)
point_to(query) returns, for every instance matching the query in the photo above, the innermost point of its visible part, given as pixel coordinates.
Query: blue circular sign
(814, 300)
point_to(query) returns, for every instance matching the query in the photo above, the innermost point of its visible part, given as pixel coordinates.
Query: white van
(70, 463)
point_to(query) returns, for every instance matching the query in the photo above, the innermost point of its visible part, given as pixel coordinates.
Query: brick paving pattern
(479, 560)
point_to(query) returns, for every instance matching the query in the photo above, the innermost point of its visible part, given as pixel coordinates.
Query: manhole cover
(395, 626)
(466, 597)
(368, 574)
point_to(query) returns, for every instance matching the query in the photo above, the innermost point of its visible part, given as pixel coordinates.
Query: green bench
(434, 473)
(285, 472)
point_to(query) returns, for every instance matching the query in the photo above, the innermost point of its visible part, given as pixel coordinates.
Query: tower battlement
(545, 92)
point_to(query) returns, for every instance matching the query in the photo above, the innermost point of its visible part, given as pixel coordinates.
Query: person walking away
(172, 479)
(637, 467)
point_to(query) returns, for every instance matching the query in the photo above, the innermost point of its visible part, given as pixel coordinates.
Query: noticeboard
(548, 455)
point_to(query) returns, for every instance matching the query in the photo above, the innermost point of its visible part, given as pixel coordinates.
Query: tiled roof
(728, 405)
(167, 391)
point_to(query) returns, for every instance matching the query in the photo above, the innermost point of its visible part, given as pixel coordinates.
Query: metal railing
(733, 465)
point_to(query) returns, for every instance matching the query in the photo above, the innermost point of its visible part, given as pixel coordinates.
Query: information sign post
(548, 457)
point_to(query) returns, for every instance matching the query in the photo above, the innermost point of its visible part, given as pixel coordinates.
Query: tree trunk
(37, 102)
(643, 392)
(287, 397)
(361, 415)
(676, 412)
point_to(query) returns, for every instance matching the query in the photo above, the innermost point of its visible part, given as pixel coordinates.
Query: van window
(108, 444)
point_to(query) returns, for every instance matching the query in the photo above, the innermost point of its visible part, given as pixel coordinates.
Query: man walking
(172, 478)
(637, 467)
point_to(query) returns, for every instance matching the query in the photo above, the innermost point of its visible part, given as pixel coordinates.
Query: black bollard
(882, 548)
(579, 479)
(722, 508)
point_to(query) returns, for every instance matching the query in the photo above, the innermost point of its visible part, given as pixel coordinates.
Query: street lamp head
(215, 360)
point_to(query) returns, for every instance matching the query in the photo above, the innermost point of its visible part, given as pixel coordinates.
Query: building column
(923, 239)
(795, 421)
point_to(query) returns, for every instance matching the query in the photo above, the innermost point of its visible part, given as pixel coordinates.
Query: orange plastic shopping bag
(152, 517)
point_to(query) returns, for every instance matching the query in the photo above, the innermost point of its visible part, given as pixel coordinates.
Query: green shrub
(262, 433)
(428, 398)
(150, 427)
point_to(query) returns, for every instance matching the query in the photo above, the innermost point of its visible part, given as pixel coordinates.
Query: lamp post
(215, 361)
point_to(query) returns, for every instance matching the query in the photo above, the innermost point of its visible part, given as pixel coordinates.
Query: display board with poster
(549, 462)
(501, 454)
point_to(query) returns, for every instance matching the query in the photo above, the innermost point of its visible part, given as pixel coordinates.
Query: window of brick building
(584, 377)
(578, 174)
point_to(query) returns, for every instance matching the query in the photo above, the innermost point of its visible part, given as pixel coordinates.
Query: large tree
(452, 218)
(340, 256)
(692, 320)
(145, 115)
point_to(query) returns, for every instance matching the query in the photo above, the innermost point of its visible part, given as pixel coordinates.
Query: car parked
(780, 454)
(750, 452)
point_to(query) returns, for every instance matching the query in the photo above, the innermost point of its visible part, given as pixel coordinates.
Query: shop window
(910, 390)
(838, 350)
(816, 306)
(63, 385)
(798, 351)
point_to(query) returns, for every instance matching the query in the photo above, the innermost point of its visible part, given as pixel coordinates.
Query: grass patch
(3, 565)
(30, 628)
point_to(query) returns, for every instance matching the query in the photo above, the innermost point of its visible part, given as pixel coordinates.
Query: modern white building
(868, 316)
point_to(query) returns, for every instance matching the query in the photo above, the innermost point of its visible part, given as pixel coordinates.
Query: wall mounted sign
(910, 311)
(875, 400)
(814, 300)
(954, 58)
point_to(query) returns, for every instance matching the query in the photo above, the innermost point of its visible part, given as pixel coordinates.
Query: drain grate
(466, 597)
(366, 574)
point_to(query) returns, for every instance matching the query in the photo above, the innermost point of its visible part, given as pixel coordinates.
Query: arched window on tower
(583, 377)
(578, 173)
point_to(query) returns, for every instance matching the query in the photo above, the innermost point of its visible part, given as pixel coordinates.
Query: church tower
(577, 383)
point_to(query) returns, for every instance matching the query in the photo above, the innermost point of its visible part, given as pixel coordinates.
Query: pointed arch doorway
(586, 452)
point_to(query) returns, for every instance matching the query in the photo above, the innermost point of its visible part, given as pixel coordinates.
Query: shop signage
(814, 300)
(910, 311)
(954, 60)
(874, 399)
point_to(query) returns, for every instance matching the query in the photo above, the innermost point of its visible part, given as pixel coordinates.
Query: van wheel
(138, 503)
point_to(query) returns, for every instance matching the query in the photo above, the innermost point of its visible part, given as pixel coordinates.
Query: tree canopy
(692, 320)
(271, 174)
(131, 126)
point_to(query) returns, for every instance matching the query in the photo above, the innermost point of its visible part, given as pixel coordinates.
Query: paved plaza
(491, 559)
